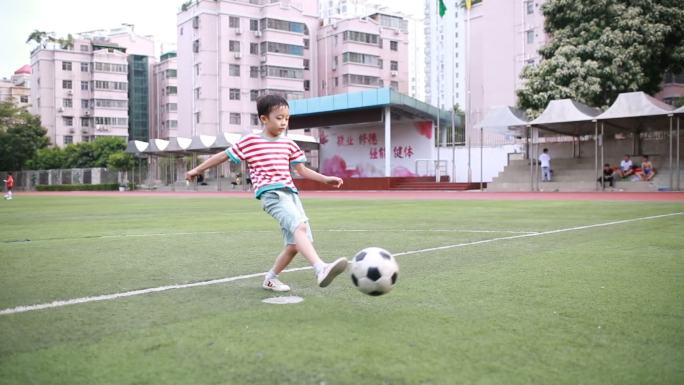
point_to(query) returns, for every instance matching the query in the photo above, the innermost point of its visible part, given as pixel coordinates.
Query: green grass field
(599, 305)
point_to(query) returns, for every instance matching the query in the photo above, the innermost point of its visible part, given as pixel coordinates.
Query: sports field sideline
(141, 288)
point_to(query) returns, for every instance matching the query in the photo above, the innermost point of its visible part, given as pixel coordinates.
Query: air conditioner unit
(237, 55)
(70, 93)
(238, 31)
(263, 58)
(334, 26)
(394, 73)
(257, 33)
(87, 113)
(84, 130)
(71, 130)
(60, 109)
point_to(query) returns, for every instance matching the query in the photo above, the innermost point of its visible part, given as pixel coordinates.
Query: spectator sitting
(647, 171)
(608, 176)
(236, 182)
(626, 167)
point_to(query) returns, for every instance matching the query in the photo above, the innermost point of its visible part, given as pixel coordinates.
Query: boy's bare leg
(304, 246)
(284, 258)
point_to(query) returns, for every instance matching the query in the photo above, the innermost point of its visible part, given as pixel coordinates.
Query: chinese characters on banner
(375, 151)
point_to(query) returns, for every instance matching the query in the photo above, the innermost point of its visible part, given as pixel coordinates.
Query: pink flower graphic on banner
(337, 166)
(402, 171)
(425, 129)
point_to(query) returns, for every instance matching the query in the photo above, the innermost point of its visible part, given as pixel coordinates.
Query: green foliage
(21, 136)
(120, 161)
(598, 49)
(80, 155)
(78, 187)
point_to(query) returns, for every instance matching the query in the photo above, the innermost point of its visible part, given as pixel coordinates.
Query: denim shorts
(286, 208)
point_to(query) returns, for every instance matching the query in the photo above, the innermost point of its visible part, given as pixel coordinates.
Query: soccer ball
(374, 271)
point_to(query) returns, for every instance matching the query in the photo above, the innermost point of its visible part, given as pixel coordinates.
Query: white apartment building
(230, 52)
(445, 55)
(18, 87)
(166, 97)
(361, 53)
(83, 90)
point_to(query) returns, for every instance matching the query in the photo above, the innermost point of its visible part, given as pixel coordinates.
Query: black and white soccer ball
(374, 271)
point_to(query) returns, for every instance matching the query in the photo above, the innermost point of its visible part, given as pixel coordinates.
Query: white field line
(270, 231)
(106, 297)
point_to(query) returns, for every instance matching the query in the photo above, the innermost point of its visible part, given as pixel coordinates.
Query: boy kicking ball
(269, 156)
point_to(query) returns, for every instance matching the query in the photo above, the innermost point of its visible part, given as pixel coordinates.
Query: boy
(647, 171)
(626, 167)
(9, 184)
(269, 156)
(608, 176)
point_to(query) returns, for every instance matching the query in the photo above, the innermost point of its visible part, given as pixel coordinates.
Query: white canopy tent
(503, 120)
(636, 112)
(561, 117)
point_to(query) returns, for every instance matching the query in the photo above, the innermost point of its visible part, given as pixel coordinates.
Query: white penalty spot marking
(287, 300)
(54, 304)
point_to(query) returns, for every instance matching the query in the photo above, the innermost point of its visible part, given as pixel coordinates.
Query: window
(84, 67)
(234, 118)
(394, 85)
(306, 43)
(24, 99)
(306, 64)
(307, 85)
(171, 90)
(171, 73)
(283, 25)
(530, 7)
(254, 48)
(68, 121)
(198, 92)
(253, 95)
(234, 46)
(254, 119)
(67, 103)
(394, 65)
(84, 48)
(111, 67)
(172, 107)
(66, 84)
(234, 94)
(234, 69)
(254, 25)
(85, 122)
(197, 117)
(361, 58)
(84, 85)
(85, 103)
(394, 45)
(195, 22)
(530, 36)
(233, 22)
(363, 80)
(361, 37)
(68, 139)
(66, 66)
(253, 72)
(282, 72)
(197, 69)
(337, 81)
(288, 49)
(195, 46)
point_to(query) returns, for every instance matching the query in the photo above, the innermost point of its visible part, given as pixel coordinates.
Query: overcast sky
(18, 18)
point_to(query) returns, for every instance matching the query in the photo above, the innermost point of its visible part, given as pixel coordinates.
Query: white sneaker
(274, 284)
(330, 271)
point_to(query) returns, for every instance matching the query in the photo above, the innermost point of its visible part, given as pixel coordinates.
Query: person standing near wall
(545, 162)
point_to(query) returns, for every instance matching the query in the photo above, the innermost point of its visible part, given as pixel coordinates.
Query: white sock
(318, 267)
(271, 274)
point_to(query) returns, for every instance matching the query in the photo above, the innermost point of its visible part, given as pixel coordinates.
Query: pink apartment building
(18, 87)
(82, 91)
(232, 51)
(361, 53)
(165, 123)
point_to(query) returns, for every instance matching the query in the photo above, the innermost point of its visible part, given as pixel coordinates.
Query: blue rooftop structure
(303, 111)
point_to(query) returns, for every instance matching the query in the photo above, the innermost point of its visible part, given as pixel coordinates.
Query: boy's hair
(606, 165)
(9, 173)
(267, 103)
(546, 150)
(646, 157)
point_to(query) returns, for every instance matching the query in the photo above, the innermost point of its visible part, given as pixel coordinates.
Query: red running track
(399, 195)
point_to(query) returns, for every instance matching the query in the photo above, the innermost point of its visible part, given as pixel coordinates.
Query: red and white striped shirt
(269, 160)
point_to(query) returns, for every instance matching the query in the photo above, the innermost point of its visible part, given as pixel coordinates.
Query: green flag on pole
(442, 8)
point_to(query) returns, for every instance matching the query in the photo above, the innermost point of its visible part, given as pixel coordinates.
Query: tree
(121, 161)
(21, 135)
(601, 48)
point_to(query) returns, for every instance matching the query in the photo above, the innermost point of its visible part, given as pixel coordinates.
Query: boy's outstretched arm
(308, 173)
(213, 161)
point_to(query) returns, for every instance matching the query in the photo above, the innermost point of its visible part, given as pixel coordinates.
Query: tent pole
(671, 170)
(481, 151)
(603, 184)
(596, 151)
(529, 157)
(678, 186)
